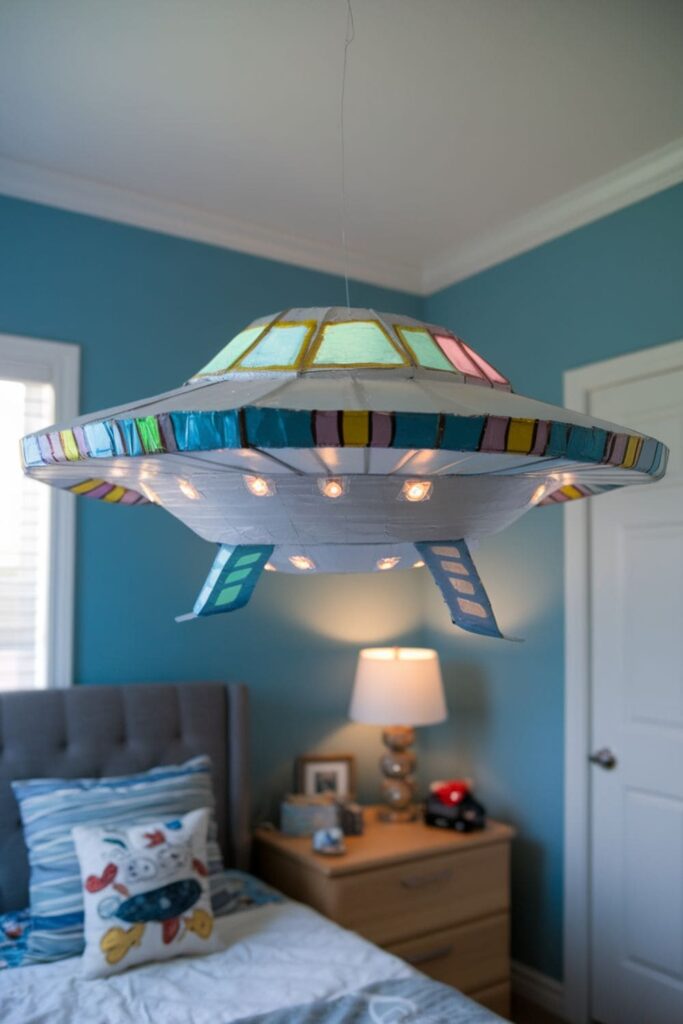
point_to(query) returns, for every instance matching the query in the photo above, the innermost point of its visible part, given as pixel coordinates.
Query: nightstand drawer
(469, 957)
(400, 901)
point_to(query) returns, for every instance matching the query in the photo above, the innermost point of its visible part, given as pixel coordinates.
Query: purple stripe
(382, 427)
(495, 433)
(99, 492)
(81, 443)
(616, 456)
(541, 439)
(327, 429)
(130, 498)
(55, 442)
(45, 449)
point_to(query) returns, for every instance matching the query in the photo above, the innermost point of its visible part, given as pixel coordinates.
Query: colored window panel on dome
(356, 343)
(456, 354)
(488, 370)
(423, 348)
(233, 351)
(280, 348)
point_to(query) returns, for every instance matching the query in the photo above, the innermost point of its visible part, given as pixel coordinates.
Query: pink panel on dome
(488, 370)
(455, 353)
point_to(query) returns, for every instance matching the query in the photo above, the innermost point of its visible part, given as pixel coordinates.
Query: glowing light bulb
(302, 562)
(416, 490)
(269, 567)
(387, 563)
(150, 494)
(259, 486)
(188, 490)
(332, 487)
(538, 494)
(418, 565)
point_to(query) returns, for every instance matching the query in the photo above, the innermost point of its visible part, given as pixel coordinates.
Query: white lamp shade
(398, 686)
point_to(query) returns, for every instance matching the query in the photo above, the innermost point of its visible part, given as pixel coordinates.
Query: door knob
(604, 758)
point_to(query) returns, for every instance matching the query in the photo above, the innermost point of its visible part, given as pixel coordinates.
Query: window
(38, 386)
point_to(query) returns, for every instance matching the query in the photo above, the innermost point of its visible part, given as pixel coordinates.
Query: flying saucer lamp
(330, 440)
(401, 685)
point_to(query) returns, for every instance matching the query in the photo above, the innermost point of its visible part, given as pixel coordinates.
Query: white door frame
(577, 791)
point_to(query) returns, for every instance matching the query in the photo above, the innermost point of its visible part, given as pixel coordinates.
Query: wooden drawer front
(495, 998)
(469, 957)
(403, 900)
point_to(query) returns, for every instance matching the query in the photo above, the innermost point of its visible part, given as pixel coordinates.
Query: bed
(279, 962)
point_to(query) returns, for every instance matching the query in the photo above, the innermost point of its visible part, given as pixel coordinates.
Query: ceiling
(474, 128)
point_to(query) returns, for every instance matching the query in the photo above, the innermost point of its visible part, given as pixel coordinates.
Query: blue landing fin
(234, 574)
(455, 574)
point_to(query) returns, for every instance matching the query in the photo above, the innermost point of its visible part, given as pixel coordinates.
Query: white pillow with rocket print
(145, 891)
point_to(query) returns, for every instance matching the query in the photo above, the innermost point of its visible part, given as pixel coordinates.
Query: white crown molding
(82, 195)
(538, 988)
(636, 180)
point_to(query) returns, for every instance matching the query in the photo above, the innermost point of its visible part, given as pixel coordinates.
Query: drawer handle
(417, 881)
(438, 953)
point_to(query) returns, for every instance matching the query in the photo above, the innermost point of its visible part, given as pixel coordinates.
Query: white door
(636, 663)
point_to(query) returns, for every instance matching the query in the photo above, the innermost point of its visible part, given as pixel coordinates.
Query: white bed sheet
(274, 956)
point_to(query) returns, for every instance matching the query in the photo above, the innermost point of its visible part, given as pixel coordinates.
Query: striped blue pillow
(51, 807)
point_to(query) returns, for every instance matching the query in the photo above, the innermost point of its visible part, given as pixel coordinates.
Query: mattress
(272, 957)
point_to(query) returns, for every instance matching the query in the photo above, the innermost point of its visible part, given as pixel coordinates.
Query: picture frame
(326, 774)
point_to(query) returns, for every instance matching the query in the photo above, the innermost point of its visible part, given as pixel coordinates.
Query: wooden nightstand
(438, 899)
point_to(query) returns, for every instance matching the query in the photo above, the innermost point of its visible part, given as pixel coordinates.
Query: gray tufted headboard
(90, 731)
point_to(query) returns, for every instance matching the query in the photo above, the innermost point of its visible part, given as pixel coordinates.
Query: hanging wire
(350, 34)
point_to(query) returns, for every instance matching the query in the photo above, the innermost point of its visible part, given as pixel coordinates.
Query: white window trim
(58, 363)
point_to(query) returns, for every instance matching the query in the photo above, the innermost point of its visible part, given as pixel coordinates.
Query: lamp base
(398, 766)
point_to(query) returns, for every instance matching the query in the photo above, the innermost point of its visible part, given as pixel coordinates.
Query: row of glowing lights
(305, 564)
(335, 487)
(329, 487)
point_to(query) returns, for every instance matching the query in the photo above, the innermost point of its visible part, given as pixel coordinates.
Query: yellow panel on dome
(235, 348)
(355, 343)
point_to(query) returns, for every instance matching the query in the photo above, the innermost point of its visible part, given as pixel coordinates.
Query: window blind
(25, 406)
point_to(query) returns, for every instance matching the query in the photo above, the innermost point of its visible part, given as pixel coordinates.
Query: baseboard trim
(538, 988)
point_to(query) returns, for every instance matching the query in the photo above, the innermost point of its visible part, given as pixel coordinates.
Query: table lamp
(401, 685)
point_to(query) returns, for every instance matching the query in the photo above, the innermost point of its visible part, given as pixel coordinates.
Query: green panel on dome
(280, 347)
(356, 343)
(424, 348)
(235, 348)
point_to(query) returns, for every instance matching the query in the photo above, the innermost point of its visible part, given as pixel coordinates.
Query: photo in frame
(326, 775)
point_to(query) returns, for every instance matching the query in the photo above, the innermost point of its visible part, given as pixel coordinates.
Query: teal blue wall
(149, 309)
(612, 287)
